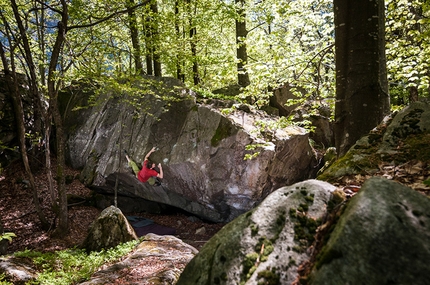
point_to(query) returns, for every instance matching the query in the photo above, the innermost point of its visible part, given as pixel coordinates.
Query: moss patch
(304, 226)
(269, 277)
(417, 147)
(225, 129)
(249, 264)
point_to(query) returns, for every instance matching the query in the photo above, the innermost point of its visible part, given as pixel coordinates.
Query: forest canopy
(287, 42)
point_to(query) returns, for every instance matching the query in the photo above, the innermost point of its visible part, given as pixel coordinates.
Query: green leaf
(7, 236)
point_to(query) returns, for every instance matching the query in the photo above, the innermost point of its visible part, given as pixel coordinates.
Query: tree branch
(109, 16)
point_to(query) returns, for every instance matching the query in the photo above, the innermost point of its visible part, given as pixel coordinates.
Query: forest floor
(19, 216)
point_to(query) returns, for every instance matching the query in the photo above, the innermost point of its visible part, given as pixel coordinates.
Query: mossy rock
(406, 138)
(225, 129)
(382, 237)
(258, 246)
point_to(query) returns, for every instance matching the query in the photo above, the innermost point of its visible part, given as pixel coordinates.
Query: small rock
(201, 231)
(110, 229)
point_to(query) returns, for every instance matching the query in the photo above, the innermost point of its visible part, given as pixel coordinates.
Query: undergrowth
(69, 266)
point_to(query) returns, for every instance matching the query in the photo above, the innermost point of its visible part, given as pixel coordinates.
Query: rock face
(160, 260)
(266, 244)
(16, 271)
(109, 230)
(399, 140)
(201, 148)
(383, 237)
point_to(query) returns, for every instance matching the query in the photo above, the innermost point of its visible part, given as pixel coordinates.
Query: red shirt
(145, 173)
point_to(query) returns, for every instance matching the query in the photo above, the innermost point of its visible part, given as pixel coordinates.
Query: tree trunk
(63, 223)
(148, 29)
(134, 37)
(153, 65)
(362, 98)
(192, 33)
(12, 83)
(19, 113)
(155, 40)
(179, 63)
(242, 54)
(196, 77)
(413, 94)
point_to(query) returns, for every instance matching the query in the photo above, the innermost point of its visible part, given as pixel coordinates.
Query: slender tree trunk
(241, 34)
(19, 113)
(62, 228)
(47, 118)
(155, 39)
(135, 37)
(39, 111)
(362, 98)
(179, 62)
(13, 86)
(149, 45)
(47, 146)
(153, 65)
(196, 77)
(413, 93)
(193, 45)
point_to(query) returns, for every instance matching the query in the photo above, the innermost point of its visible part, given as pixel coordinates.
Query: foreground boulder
(383, 237)
(266, 244)
(202, 148)
(16, 271)
(158, 259)
(109, 230)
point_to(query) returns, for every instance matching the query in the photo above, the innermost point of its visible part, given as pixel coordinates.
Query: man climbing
(149, 171)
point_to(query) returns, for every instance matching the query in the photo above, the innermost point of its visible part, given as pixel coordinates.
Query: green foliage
(253, 148)
(3, 280)
(269, 276)
(206, 94)
(249, 263)
(287, 43)
(73, 265)
(7, 236)
(408, 48)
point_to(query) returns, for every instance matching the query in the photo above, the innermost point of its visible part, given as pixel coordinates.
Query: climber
(150, 172)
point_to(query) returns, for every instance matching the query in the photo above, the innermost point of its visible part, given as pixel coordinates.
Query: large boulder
(202, 148)
(16, 271)
(383, 237)
(109, 230)
(158, 259)
(266, 244)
